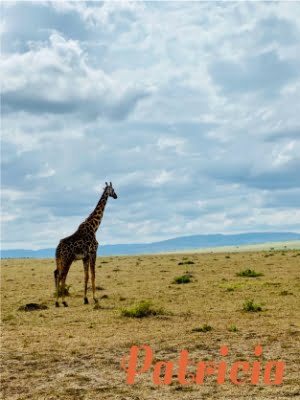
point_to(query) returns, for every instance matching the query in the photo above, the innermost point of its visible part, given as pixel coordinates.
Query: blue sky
(191, 109)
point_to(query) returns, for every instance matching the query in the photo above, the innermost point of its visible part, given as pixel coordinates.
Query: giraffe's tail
(56, 278)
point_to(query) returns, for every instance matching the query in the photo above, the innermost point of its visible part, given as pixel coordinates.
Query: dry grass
(76, 352)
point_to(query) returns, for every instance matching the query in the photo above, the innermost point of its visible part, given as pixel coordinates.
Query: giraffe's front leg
(86, 278)
(93, 274)
(63, 277)
(63, 291)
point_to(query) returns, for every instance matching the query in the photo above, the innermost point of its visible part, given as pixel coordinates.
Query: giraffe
(82, 245)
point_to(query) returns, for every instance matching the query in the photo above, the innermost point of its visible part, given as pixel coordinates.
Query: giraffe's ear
(106, 184)
(110, 184)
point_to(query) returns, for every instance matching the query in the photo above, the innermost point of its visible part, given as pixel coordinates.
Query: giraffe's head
(110, 190)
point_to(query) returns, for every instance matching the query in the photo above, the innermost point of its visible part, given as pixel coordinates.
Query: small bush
(203, 328)
(182, 279)
(141, 310)
(232, 328)
(230, 289)
(186, 262)
(249, 273)
(250, 306)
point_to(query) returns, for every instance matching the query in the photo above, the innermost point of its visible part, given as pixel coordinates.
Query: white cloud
(56, 78)
(190, 109)
(283, 154)
(96, 13)
(162, 177)
(7, 217)
(46, 172)
(11, 194)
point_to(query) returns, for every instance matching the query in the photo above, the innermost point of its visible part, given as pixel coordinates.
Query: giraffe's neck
(95, 218)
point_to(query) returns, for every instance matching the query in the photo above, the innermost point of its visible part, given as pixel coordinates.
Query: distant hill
(176, 244)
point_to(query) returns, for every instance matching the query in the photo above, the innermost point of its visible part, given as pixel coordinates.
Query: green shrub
(249, 273)
(186, 262)
(232, 328)
(230, 289)
(250, 306)
(182, 279)
(141, 310)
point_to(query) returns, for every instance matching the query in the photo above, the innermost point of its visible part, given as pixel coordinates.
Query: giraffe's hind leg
(86, 278)
(93, 275)
(57, 278)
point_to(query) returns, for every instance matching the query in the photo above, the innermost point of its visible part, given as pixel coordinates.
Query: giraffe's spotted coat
(82, 245)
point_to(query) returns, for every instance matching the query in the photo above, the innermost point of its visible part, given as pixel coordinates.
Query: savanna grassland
(76, 352)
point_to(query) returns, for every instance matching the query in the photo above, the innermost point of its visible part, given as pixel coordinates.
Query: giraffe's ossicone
(82, 245)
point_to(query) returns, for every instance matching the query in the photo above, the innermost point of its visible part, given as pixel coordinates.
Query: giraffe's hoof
(56, 304)
(86, 301)
(65, 303)
(96, 300)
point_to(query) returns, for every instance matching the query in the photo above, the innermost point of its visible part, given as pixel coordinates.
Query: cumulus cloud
(100, 13)
(191, 110)
(55, 78)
